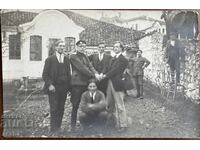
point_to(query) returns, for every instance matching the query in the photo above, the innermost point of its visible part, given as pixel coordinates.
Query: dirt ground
(151, 117)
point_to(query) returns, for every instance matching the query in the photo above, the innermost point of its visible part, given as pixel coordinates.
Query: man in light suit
(115, 91)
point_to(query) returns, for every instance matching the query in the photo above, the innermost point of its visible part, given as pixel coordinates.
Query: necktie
(92, 99)
(60, 59)
(100, 57)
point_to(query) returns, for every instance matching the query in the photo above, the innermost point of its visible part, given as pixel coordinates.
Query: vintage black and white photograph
(70, 73)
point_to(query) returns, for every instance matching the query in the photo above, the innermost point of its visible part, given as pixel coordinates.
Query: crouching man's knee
(82, 117)
(103, 116)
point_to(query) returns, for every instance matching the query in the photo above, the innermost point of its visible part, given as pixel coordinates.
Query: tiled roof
(109, 34)
(15, 18)
(95, 30)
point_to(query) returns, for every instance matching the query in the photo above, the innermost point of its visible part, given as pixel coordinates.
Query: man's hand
(91, 107)
(52, 88)
(97, 76)
(103, 76)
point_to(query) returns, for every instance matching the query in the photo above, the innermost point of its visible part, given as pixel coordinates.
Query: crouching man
(92, 112)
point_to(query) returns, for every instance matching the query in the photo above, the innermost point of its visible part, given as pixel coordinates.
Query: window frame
(70, 46)
(31, 51)
(17, 45)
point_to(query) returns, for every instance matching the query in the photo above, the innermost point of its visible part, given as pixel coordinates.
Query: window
(136, 26)
(159, 30)
(35, 48)
(3, 36)
(14, 46)
(51, 46)
(163, 30)
(133, 27)
(70, 43)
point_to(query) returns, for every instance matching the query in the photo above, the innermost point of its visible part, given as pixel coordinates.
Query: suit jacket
(138, 63)
(98, 102)
(174, 52)
(82, 69)
(50, 71)
(116, 71)
(103, 65)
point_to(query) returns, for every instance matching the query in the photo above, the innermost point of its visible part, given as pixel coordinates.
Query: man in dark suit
(56, 74)
(82, 71)
(101, 62)
(174, 55)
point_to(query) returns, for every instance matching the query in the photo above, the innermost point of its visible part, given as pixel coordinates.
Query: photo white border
(100, 4)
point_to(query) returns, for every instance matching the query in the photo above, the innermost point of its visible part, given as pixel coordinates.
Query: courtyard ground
(151, 117)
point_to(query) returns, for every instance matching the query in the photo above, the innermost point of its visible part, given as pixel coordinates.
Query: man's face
(101, 48)
(81, 48)
(117, 49)
(92, 87)
(139, 53)
(172, 37)
(129, 54)
(61, 47)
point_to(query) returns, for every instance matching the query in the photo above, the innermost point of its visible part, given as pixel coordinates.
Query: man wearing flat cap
(139, 64)
(82, 71)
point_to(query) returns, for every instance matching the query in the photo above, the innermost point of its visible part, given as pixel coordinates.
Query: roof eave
(9, 28)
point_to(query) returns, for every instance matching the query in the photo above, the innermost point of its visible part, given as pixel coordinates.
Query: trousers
(57, 102)
(139, 85)
(76, 93)
(99, 119)
(116, 107)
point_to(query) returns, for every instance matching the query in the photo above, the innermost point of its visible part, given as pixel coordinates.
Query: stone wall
(158, 71)
(190, 72)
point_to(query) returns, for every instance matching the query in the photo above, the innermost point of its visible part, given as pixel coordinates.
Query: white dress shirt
(101, 56)
(60, 57)
(117, 55)
(93, 96)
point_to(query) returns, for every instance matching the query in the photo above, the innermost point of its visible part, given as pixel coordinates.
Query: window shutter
(35, 48)
(14, 46)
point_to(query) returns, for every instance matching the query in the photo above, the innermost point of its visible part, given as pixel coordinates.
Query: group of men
(70, 73)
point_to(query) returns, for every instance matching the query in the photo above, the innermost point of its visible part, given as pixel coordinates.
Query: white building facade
(36, 38)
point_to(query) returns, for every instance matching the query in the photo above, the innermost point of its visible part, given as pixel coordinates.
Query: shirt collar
(58, 57)
(80, 53)
(93, 94)
(58, 54)
(101, 55)
(117, 55)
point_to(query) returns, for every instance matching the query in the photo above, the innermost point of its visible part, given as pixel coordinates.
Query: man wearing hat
(82, 71)
(56, 75)
(131, 53)
(174, 54)
(139, 64)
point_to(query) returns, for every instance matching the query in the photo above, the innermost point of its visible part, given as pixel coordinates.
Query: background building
(28, 38)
